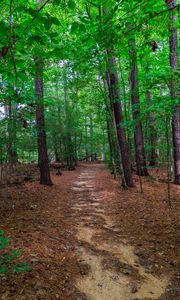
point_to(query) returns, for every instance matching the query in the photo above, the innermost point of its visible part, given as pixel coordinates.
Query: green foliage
(4, 241)
(71, 4)
(7, 259)
(72, 39)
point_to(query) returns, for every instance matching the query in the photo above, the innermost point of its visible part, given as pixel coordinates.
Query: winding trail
(112, 270)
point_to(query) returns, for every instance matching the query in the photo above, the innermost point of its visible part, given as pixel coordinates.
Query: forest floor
(86, 238)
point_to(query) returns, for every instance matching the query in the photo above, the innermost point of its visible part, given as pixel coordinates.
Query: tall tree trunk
(45, 177)
(111, 129)
(138, 133)
(69, 145)
(76, 136)
(114, 93)
(153, 159)
(174, 89)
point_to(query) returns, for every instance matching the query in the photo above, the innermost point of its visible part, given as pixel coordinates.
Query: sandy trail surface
(127, 279)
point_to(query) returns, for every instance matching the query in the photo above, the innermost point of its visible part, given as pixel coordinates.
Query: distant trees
(90, 54)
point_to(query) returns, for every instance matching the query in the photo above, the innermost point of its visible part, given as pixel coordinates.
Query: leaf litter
(86, 238)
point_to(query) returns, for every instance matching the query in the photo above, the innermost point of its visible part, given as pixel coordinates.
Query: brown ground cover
(43, 224)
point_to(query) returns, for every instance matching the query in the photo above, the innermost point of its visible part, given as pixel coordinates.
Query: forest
(89, 150)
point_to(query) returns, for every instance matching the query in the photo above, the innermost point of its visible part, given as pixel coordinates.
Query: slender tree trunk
(153, 160)
(76, 137)
(56, 148)
(40, 121)
(57, 140)
(103, 146)
(86, 139)
(114, 92)
(174, 89)
(69, 145)
(11, 148)
(113, 161)
(91, 135)
(138, 133)
(111, 130)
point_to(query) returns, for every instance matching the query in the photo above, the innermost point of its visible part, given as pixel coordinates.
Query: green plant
(7, 258)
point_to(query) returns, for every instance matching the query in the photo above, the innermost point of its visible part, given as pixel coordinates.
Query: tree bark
(114, 93)
(69, 145)
(138, 133)
(12, 153)
(153, 159)
(174, 89)
(111, 130)
(45, 177)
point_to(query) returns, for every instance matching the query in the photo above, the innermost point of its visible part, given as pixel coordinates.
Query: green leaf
(36, 38)
(74, 27)
(47, 22)
(82, 27)
(55, 21)
(10, 257)
(57, 2)
(32, 12)
(4, 269)
(3, 29)
(54, 34)
(1, 232)
(71, 4)
(4, 242)
(21, 267)
(59, 53)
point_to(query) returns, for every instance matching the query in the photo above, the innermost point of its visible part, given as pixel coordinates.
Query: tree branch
(152, 17)
(5, 49)
(37, 14)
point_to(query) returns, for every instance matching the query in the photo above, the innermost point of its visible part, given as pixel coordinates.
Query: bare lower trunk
(40, 120)
(114, 92)
(11, 148)
(153, 160)
(111, 130)
(138, 133)
(69, 144)
(174, 89)
(176, 142)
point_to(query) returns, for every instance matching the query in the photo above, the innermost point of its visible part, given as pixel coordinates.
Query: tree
(114, 93)
(40, 121)
(138, 132)
(174, 88)
(153, 159)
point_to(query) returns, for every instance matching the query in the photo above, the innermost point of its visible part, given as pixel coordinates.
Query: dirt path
(87, 239)
(112, 270)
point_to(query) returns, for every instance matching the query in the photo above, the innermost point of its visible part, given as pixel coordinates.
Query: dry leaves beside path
(85, 238)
